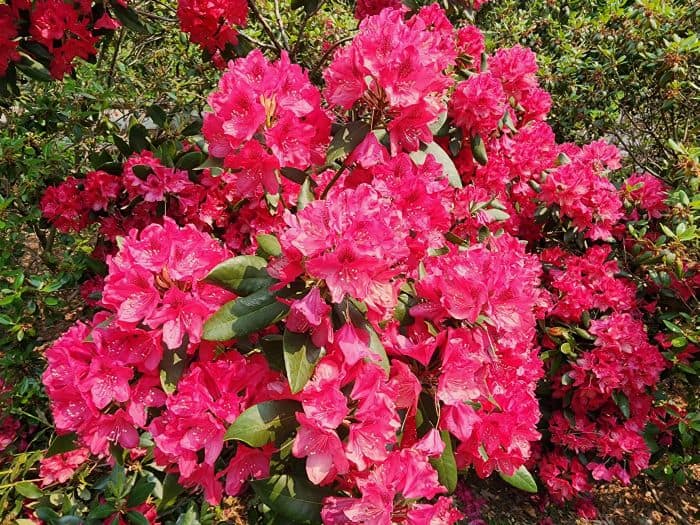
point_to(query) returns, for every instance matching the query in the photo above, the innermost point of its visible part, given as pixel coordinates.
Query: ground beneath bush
(644, 502)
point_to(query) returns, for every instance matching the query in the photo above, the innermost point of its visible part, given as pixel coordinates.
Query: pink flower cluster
(61, 467)
(146, 191)
(395, 70)
(582, 192)
(189, 434)
(647, 194)
(212, 23)
(354, 242)
(266, 116)
(365, 8)
(583, 283)
(604, 389)
(104, 377)
(65, 30)
(489, 367)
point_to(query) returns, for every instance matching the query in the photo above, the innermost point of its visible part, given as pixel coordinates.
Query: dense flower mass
(414, 280)
(266, 116)
(104, 377)
(212, 24)
(8, 34)
(63, 31)
(395, 69)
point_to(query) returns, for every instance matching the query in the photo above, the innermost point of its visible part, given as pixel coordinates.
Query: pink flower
(212, 24)
(64, 206)
(108, 383)
(352, 241)
(470, 41)
(100, 189)
(179, 316)
(516, 68)
(648, 193)
(247, 463)
(61, 467)
(478, 104)
(145, 176)
(322, 449)
(275, 100)
(311, 314)
(257, 167)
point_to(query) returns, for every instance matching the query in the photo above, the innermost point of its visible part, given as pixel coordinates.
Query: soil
(644, 502)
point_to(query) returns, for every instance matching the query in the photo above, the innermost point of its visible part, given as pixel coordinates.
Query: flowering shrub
(212, 25)
(397, 292)
(53, 33)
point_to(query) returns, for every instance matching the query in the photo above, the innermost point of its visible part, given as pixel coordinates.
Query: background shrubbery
(628, 71)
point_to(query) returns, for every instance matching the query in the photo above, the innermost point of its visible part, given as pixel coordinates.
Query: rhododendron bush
(42, 38)
(357, 292)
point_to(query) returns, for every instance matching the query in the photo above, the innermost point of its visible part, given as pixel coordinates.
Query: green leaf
(242, 275)
(306, 195)
(128, 17)
(122, 146)
(441, 157)
(244, 316)
(375, 344)
(446, 465)
(136, 518)
(190, 160)
(300, 358)
(479, 150)
(346, 140)
(138, 138)
(270, 421)
(622, 403)
(211, 163)
(171, 490)
(269, 245)
(70, 520)
(62, 444)
(139, 494)
(672, 326)
(193, 128)
(294, 174)
(438, 123)
(497, 215)
(157, 114)
(291, 497)
(47, 514)
(377, 347)
(33, 69)
(171, 368)
(189, 517)
(102, 511)
(679, 342)
(521, 479)
(29, 490)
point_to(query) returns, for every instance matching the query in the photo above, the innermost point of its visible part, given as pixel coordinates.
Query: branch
(302, 28)
(156, 17)
(278, 17)
(113, 65)
(255, 41)
(265, 26)
(334, 180)
(328, 53)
